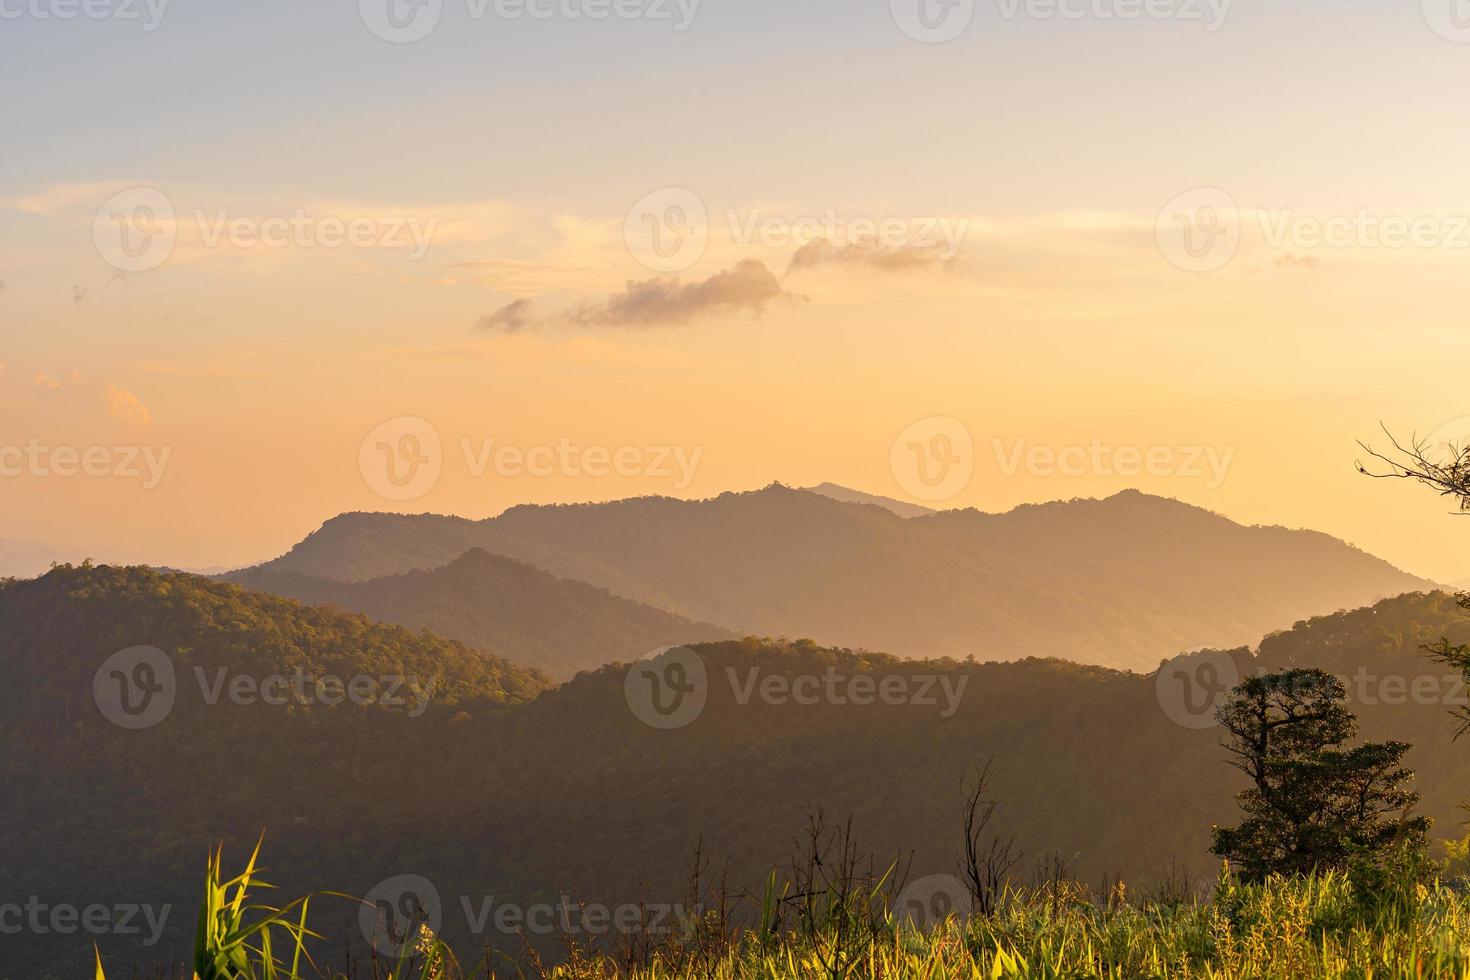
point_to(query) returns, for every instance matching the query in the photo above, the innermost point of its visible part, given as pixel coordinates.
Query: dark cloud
(748, 286)
(510, 318)
(900, 258)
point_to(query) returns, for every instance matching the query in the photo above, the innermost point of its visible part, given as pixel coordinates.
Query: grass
(1322, 926)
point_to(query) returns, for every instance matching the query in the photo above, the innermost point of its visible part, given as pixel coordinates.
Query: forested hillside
(556, 625)
(493, 790)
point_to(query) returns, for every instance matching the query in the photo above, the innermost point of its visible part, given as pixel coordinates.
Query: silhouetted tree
(1446, 472)
(1313, 804)
(989, 857)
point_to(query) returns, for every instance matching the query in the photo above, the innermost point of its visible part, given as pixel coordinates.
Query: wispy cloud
(511, 318)
(872, 256)
(749, 287)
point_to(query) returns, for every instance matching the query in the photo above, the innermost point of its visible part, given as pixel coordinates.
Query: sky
(266, 263)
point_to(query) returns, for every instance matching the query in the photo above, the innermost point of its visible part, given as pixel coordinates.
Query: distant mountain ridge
(507, 606)
(848, 495)
(1123, 582)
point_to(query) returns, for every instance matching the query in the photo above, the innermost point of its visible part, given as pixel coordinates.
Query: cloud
(71, 399)
(748, 285)
(871, 255)
(123, 404)
(65, 197)
(1291, 261)
(510, 318)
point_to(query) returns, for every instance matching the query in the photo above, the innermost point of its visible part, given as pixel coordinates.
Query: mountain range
(1122, 582)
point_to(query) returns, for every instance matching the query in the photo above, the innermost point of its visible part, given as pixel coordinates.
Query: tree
(1313, 804)
(1447, 471)
(989, 857)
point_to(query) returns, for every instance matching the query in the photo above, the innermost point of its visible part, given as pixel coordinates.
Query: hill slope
(495, 603)
(900, 507)
(571, 793)
(1123, 582)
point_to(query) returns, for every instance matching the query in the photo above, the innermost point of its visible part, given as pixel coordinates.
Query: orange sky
(354, 254)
